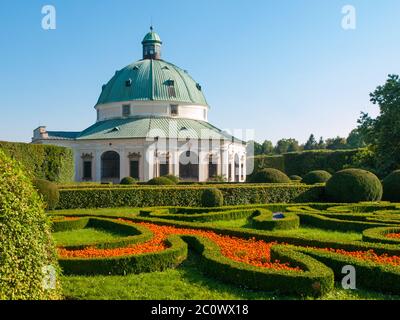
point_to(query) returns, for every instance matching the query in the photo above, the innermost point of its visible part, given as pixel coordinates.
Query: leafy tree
(336, 143)
(267, 147)
(383, 132)
(311, 143)
(356, 139)
(287, 145)
(257, 147)
(321, 144)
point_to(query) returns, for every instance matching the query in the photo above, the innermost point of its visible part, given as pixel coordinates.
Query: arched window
(237, 165)
(189, 166)
(110, 164)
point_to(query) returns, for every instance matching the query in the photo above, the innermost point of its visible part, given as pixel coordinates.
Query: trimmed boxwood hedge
(378, 235)
(147, 262)
(200, 217)
(40, 161)
(354, 185)
(369, 275)
(263, 219)
(391, 187)
(129, 234)
(315, 280)
(300, 163)
(189, 196)
(27, 249)
(317, 176)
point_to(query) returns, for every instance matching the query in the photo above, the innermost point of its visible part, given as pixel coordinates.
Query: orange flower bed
(250, 251)
(369, 255)
(253, 252)
(393, 235)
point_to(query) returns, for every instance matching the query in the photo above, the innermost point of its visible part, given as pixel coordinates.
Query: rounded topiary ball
(391, 187)
(317, 176)
(49, 191)
(354, 185)
(27, 250)
(212, 198)
(160, 181)
(128, 181)
(270, 175)
(295, 178)
(171, 177)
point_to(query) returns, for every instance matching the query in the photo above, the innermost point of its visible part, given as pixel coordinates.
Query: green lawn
(185, 282)
(306, 232)
(84, 236)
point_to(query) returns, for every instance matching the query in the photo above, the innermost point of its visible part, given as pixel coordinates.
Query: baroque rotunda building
(152, 120)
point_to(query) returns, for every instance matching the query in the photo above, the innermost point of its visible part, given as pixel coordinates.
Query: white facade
(134, 135)
(229, 158)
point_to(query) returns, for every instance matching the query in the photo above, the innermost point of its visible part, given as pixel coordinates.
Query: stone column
(97, 164)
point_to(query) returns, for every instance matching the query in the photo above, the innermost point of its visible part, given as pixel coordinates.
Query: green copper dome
(151, 37)
(152, 80)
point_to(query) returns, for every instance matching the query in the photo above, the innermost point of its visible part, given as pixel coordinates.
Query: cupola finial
(152, 45)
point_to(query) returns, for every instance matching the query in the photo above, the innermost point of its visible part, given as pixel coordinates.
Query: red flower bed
(253, 252)
(369, 255)
(250, 251)
(393, 235)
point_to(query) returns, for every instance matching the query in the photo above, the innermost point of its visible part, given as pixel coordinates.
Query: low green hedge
(264, 220)
(369, 275)
(130, 234)
(200, 217)
(189, 196)
(147, 262)
(378, 235)
(60, 225)
(324, 222)
(272, 236)
(315, 280)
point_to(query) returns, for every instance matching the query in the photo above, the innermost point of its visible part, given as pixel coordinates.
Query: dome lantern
(152, 45)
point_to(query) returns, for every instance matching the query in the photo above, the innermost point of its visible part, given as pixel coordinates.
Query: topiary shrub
(128, 181)
(26, 248)
(317, 176)
(354, 185)
(270, 175)
(171, 177)
(295, 178)
(391, 187)
(160, 181)
(49, 192)
(212, 198)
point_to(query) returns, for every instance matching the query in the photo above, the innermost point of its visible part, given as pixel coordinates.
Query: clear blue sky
(285, 68)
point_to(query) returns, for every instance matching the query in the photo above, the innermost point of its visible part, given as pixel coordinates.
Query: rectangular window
(174, 110)
(171, 91)
(126, 110)
(164, 167)
(87, 170)
(134, 169)
(212, 169)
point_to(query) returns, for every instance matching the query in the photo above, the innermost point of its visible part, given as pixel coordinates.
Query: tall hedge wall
(42, 161)
(190, 196)
(300, 163)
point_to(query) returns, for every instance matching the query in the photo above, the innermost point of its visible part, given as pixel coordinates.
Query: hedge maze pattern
(259, 256)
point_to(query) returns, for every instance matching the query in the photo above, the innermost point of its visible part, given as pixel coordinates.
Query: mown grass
(84, 236)
(306, 232)
(184, 283)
